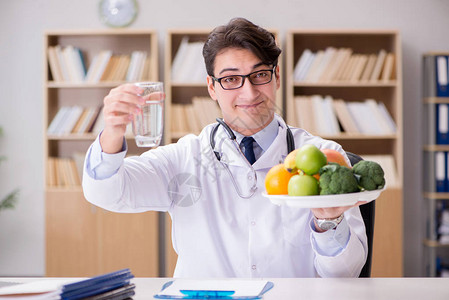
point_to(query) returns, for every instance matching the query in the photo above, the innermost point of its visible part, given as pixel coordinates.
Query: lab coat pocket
(295, 225)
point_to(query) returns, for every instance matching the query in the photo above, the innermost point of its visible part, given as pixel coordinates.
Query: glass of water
(148, 125)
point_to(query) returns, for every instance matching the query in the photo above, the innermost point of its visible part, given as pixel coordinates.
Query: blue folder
(442, 76)
(442, 123)
(96, 285)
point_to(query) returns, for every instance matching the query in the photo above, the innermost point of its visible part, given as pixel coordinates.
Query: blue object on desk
(96, 285)
(192, 294)
(212, 294)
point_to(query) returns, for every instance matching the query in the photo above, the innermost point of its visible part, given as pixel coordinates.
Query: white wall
(423, 26)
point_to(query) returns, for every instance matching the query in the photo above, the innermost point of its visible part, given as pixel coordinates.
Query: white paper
(242, 288)
(35, 287)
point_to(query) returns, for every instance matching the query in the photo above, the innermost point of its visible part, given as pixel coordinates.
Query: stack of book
(191, 118)
(188, 63)
(63, 172)
(75, 120)
(67, 64)
(116, 285)
(342, 65)
(329, 117)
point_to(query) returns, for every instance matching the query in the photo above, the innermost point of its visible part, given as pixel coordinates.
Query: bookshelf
(435, 161)
(342, 81)
(81, 239)
(181, 92)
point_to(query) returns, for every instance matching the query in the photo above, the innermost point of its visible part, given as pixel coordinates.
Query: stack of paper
(115, 285)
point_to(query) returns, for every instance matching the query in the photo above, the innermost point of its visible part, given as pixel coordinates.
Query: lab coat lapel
(228, 150)
(275, 153)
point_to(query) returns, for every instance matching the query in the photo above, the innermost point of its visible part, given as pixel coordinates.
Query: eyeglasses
(234, 82)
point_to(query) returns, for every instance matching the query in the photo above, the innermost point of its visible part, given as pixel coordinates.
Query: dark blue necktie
(249, 151)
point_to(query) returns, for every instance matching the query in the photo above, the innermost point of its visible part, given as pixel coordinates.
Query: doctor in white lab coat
(222, 225)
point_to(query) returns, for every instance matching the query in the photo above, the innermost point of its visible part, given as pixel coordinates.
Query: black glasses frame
(244, 77)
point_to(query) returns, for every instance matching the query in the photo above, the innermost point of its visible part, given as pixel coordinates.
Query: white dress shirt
(215, 232)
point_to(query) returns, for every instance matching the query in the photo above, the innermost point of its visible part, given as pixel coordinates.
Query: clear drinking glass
(148, 125)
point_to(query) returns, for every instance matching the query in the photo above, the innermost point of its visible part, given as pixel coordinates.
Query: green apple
(310, 159)
(302, 185)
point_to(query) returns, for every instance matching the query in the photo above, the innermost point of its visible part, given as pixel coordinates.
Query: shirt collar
(265, 137)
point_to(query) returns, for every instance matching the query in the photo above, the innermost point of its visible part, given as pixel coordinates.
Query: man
(224, 227)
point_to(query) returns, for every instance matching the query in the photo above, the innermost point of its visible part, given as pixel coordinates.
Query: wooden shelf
(435, 148)
(388, 92)
(68, 85)
(436, 196)
(435, 244)
(435, 100)
(346, 84)
(81, 239)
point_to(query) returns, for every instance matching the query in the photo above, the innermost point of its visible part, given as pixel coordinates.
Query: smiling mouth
(248, 106)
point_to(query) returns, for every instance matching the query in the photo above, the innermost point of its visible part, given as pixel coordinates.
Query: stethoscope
(233, 138)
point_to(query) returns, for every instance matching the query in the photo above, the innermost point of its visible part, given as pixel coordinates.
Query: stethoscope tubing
(233, 138)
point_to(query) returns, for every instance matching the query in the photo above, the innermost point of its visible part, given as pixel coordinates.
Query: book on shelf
(327, 116)
(375, 75)
(442, 83)
(63, 172)
(73, 60)
(441, 176)
(321, 68)
(343, 65)
(387, 71)
(369, 67)
(304, 112)
(301, 64)
(188, 63)
(55, 67)
(314, 67)
(359, 65)
(73, 120)
(442, 123)
(443, 226)
(363, 112)
(344, 116)
(193, 117)
(67, 64)
(98, 66)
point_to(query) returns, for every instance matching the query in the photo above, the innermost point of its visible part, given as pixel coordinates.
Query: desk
(324, 289)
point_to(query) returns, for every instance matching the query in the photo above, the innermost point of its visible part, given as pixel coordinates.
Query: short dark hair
(241, 34)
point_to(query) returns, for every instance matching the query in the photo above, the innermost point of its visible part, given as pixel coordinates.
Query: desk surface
(325, 289)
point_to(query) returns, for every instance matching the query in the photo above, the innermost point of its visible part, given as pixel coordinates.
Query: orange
(335, 157)
(276, 181)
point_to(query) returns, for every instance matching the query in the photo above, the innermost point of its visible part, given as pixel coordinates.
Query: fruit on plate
(335, 157)
(276, 181)
(310, 159)
(290, 162)
(336, 179)
(303, 185)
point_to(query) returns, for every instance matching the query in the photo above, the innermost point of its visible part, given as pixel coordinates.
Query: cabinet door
(71, 229)
(388, 233)
(128, 241)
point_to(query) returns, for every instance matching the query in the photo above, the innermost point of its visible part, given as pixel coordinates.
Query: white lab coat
(215, 232)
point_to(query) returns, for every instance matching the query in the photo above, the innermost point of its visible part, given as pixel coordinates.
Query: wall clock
(118, 13)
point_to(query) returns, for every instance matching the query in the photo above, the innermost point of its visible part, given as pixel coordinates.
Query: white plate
(321, 201)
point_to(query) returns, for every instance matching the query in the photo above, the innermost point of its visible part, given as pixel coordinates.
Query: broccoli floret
(336, 179)
(369, 174)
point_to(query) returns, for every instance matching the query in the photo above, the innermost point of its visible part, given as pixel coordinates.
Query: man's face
(249, 108)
